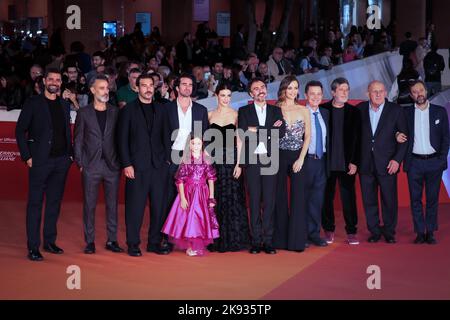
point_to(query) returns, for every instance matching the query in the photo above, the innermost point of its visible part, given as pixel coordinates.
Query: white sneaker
(191, 253)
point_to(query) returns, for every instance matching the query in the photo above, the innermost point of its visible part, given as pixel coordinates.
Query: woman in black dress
(290, 231)
(230, 209)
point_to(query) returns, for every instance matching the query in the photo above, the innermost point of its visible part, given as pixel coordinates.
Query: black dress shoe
(269, 250)
(374, 238)
(35, 255)
(430, 238)
(420, 238)
(113, 246)
(255, 249)
(319, 242)
(90, 248)
(53, 248)
(158, 250)
(167, 245)
(134, 251)
(390, 239)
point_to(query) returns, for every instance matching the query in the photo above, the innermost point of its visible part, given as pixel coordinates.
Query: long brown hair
(283, 87)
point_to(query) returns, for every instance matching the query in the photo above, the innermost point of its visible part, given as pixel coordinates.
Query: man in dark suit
(316, 168)
(343, 160)
(45, 144)
(259, 125)
(142, 157)
(425, 160)
(182, 117)
(381, 156)
(96, 156)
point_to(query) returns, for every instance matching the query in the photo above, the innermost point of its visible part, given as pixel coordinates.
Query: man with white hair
(381, 156)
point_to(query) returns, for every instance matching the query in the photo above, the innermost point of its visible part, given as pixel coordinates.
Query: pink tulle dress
(195, 227)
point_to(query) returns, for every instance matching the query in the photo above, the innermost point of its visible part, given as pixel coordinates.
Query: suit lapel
(269, 116)
(175, 119)
(252, 114)
(46, 110)
(195, 116)
(92, 117)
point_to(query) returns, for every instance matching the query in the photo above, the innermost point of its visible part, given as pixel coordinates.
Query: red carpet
(408, 271)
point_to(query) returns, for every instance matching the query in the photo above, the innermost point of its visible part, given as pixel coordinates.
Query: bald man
(381, 156)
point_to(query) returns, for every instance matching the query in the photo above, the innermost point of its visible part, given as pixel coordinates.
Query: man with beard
(142, 158)
(96, 156)
(260, 122)
(44, 139)
(425, 160)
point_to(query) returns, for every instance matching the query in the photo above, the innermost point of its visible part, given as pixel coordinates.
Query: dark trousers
(92, 178)
(149, 185)
(262, 194)
(387, 185)
(348, 199)
(426, 173)
(48, 179)
(315, 183)
(290, 230)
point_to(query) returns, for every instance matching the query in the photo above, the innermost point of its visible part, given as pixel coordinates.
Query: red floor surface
(339, 271)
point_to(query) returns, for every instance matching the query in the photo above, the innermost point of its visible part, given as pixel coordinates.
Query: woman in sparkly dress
(290, 220)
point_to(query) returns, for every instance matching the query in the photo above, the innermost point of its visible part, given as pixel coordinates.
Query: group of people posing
(261, 178)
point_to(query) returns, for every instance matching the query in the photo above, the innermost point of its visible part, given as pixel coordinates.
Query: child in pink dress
(191, 223)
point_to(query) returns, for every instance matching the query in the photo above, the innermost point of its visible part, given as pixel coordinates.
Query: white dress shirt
(185, 127)
(261, 112)
(422, 144)
(375, 117)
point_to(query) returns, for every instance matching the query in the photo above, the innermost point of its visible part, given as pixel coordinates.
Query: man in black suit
(343, 160)
(259, 125)
(142, 156)
(44, 138)
(182, 117)
(425, 160)
(96, 156)
(381, 156)
(316, 168)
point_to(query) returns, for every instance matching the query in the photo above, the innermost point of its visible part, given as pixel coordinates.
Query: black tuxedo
(377, 150)
(247, 117)
(427, 171)
(47, 176)
(141, 145)
(96, 152)
(261, 187)
(350, 149)
(34, 130)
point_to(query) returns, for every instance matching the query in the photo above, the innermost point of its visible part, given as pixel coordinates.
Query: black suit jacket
(172, 123)
(439, 134)
(138, 145)
(352, 133)
(90, 143)
(383, 143)
(247, 117)
(34, 129)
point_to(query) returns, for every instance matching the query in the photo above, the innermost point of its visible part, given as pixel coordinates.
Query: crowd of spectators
(202, 54)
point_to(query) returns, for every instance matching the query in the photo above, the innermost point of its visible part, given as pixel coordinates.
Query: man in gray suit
(96, 156)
